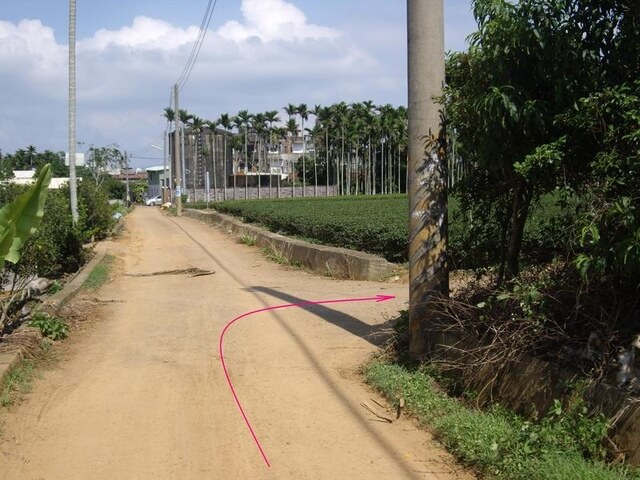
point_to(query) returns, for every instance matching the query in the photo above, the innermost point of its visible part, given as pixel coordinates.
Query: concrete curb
(320, 259)
(8, 360)
(71, 288)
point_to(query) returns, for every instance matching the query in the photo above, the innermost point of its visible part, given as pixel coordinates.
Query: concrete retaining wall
(529, 386)
(320, 259)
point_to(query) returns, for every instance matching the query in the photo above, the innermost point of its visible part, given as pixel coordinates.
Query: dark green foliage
(139, 190)
(606, 129)
(31, 159)
(115, 189)
(310, 170)
(56, 247)
(96, 218)
(528, 68)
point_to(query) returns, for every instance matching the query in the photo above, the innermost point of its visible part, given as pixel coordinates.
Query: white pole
(73, 189)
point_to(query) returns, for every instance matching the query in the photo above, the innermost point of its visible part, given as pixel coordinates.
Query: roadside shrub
(114, 188)
(56, 247)
(96, 219)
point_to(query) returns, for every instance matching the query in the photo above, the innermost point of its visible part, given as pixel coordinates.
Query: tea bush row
(379, 225)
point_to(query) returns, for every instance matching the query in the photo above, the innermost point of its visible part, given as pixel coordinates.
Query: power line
(195, 50)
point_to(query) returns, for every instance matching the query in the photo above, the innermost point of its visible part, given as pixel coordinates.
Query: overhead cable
(195, 50)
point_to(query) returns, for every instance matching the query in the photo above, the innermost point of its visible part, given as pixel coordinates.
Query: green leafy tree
(102, 159)
(6, 168)
(139, 190)
(95, 215)
(604, 129)
(115, 189)
(529, 63)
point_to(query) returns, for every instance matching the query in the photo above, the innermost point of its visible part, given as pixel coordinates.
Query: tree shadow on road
(374, 334)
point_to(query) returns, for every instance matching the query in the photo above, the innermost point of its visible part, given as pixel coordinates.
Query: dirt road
(140, 392)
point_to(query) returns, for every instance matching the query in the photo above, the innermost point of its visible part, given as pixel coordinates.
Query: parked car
(154, 201)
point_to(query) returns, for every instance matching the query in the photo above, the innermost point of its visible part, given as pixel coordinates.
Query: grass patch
(249, 240)
(17, 382)
(99, 274)
(564, 445)
(278, 256)
(275, 255)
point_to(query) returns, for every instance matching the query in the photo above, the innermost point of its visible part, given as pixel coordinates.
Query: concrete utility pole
(73, 190)
(165, 181)
(176, 154)
(126, 173)
(429, 274)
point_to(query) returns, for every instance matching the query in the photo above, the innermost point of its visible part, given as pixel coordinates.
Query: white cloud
(271, 20)
(271, 56)
(29, 53)
(144, 34)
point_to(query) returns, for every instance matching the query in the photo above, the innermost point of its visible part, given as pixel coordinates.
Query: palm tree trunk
(234, 168)
(259, 149)
(369, 174)
(357, 176)
(390, 171)
(246, 166)
(304, 167)
(279, 174)
(398, 179)
(213, 165)
(342, 164)
(224, 164)
(326, 158)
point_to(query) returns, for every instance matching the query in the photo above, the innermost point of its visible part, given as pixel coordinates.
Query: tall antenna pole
(428, 270)
(72, 112)
(176, 153)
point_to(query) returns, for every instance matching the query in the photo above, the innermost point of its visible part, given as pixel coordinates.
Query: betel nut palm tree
(303, 111)
(241, 121)
(225, 122)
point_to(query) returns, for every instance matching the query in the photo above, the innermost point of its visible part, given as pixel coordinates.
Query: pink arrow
(377, 299)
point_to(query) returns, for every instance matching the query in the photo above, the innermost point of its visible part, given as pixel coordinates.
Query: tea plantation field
(374, 224)
(380, 225)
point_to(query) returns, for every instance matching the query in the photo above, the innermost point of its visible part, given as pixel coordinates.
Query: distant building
(27, 177)
(157, 178)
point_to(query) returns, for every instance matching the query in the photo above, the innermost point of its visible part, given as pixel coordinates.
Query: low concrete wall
(73, 286)
(331, 261)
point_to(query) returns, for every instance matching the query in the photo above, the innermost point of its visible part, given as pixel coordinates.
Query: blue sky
(259, 55)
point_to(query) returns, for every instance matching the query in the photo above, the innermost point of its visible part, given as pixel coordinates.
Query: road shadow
(376, 335)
